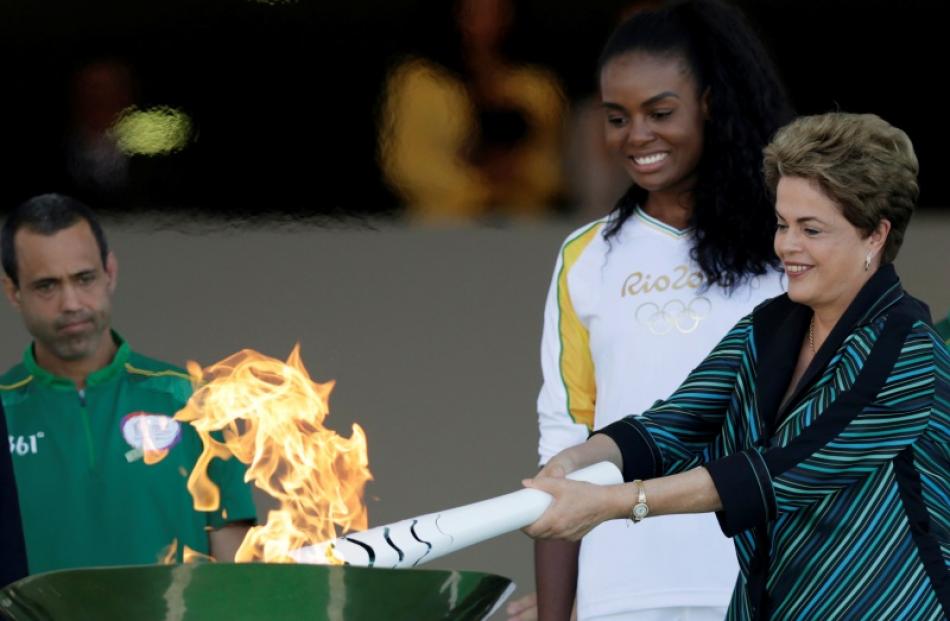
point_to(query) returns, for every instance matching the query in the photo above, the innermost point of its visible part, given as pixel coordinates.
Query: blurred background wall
(431, 334)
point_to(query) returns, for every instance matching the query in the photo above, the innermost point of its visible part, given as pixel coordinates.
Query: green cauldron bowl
(237, 592)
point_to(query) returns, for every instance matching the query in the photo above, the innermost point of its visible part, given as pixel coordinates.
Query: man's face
(65, 292)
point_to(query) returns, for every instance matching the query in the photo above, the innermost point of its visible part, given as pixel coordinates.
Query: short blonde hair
(864, 164)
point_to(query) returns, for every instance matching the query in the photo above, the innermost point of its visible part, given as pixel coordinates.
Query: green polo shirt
(86, 496)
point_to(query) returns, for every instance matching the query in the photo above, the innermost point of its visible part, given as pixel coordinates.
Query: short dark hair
(46, 214)
(860, 161)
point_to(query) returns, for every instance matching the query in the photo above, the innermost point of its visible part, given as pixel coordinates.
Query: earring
(867, 262)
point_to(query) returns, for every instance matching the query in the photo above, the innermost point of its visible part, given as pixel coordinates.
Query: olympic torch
(417, 540)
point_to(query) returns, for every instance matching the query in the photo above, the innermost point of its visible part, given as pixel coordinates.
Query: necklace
(811, 334)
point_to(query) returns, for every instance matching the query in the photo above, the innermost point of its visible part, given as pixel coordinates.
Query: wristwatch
(641, 509)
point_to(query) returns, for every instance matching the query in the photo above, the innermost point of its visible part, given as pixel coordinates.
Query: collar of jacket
(780, 326)
(98, 376)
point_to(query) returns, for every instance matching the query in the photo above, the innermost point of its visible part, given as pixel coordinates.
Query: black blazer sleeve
(12, 547)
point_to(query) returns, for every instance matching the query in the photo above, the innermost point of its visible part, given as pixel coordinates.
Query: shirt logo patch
(27, 444)
(674, 315)
(681, 278)
(149, 435)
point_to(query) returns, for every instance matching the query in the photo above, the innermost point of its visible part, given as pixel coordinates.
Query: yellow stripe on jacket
(576, 365)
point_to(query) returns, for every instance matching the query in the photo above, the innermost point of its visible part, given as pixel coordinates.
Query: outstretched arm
(579, 507)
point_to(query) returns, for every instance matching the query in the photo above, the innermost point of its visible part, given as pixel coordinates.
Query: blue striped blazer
(839, 500)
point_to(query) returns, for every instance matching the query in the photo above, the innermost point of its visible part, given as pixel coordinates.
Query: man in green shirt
(84, 413)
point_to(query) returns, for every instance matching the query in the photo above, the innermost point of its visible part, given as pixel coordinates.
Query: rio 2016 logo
(638, 282)
(674, 315)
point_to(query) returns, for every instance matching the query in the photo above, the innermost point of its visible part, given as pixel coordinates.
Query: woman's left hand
(577, 508)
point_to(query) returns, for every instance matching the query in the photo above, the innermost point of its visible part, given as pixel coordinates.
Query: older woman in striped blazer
(818, 430)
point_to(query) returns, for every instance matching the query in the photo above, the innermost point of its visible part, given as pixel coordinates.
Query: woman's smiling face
(823, 254)
(654, 119)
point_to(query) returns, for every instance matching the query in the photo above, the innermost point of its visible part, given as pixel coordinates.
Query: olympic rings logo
(675, 314)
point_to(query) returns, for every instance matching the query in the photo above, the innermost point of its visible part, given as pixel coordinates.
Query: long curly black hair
(733, 218)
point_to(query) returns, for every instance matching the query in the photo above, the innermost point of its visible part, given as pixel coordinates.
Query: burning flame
(194, 556)
(270, 416)
(169, 554)
(151, 457)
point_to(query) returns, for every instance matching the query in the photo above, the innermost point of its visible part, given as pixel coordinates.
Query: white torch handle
(418, 540)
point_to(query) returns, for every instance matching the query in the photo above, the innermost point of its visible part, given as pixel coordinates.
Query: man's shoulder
(144, 365)
(153, 374)
(15, 377)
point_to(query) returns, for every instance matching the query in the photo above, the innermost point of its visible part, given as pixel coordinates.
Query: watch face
(640, 511)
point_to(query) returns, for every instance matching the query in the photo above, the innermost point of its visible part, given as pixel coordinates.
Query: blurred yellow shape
(156, 131)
